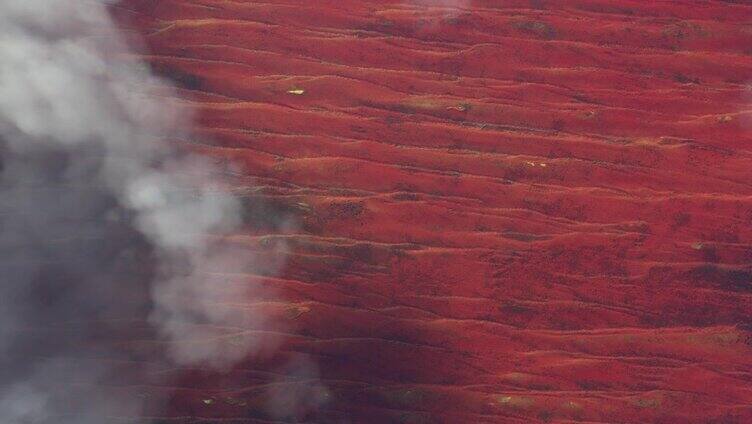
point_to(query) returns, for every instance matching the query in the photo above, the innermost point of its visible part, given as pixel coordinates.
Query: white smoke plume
(443, 3)
(102, 222)
(452, 7)
(434, 14)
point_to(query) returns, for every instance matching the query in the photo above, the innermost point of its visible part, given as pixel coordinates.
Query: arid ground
(494, 211)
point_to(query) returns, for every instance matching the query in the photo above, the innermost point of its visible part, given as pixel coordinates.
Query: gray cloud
(104, 226)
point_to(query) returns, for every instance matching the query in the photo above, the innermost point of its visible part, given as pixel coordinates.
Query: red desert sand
(501, 211)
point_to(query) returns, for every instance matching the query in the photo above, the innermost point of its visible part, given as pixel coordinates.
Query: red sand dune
(507, 212)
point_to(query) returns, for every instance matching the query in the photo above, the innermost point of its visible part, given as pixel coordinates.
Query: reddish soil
(507, 212)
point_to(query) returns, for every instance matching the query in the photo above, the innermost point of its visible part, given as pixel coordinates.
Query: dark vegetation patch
(722, 277)
(179, 77)
(535, 28)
